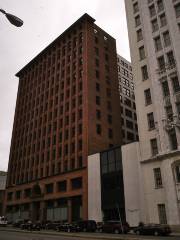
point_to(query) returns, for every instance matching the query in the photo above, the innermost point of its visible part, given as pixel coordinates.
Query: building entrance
(36, 211)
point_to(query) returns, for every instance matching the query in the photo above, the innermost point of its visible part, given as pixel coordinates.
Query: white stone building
(152, 165)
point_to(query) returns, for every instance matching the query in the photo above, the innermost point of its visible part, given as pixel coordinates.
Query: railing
(169, 125)
(166, 67)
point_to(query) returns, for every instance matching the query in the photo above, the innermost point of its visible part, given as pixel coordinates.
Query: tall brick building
(67, 108)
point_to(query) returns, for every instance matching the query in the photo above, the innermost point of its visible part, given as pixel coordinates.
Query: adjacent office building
(67, 109)
(127, 98)
(152, 166)
(106, 188)
(3, 176)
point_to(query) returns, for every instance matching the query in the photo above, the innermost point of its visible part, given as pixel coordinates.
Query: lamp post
(12, 19)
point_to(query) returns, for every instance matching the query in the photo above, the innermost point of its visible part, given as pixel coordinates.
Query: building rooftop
(82, 18)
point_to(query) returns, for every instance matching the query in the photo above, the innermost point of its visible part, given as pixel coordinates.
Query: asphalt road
(5, 235)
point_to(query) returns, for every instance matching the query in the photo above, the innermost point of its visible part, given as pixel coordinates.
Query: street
(5, 235)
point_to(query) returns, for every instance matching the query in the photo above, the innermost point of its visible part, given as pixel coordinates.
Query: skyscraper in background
(127, 98)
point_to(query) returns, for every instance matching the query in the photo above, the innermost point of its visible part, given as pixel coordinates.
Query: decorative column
(43, 211)
(69, 203)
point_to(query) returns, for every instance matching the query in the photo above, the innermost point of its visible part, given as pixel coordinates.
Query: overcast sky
(44, 20)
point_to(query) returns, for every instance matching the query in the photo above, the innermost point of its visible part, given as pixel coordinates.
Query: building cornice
(161, 157)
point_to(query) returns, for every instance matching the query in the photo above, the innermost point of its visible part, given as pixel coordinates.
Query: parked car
(52, 225)
(87, 225)
(99, 226)
(153, 229)
(18, 222)
(115, 227)
(31, 226)
(3, 221)
(66, 227)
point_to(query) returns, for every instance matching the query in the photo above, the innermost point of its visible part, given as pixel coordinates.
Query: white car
(3, 221)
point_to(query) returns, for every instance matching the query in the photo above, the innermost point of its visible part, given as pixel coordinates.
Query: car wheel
(138, 232)
(116, 231)
(156, 233)
(84, 230)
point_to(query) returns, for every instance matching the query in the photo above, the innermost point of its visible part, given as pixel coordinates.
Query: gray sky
(44, 20)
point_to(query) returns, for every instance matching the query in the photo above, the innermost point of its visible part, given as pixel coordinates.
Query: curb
(119, 237)
(77, 235)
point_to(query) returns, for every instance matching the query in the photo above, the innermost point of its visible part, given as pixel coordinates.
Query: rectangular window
(147, 95)
(150, 118)
(169, 113)
(110, 133)
(157, 178)
(152, 11)
(154, 146)
(98, 102)
(170, 58)
(127, 102)
(97, 74)
(129, 124)
(154, 25)
(97, 87)
(163, 20)
(18, 194)
(98, 114)
(10, 196)
(137, 21)
(96, 51)
(130, 136)
(178, 108)
(162, 214)
(175, 83)
(177, 171)
(139, 35)
(177, 9)
(144, 72)
(157, 43)
(161, 63)
(61, 186)
(141, 53)
(76, 183)
(136, 7)
(165, 88)
(98, 129)
(160, 5)
(167, 40)
(173, 140)
(49, 188)
(128, 113)
(109, 117)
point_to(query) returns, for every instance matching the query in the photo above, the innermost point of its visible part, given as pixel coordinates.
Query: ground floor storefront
(62, 209)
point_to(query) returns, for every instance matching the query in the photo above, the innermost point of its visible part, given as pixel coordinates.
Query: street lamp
(12, 19)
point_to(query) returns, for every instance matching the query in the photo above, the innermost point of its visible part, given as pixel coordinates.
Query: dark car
(18, 222)
(87, 225)
(115, 227)
(31, 226)
(52, 225)
(67, 227)
(153, 229)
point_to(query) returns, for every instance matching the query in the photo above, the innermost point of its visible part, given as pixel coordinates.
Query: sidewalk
(81, 234)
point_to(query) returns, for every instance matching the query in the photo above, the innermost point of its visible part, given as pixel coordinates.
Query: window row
(75, 183)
